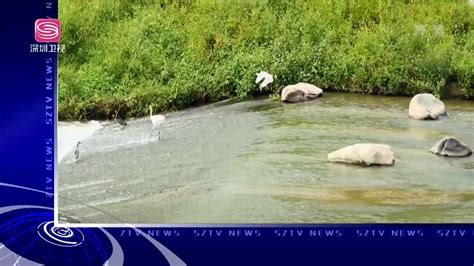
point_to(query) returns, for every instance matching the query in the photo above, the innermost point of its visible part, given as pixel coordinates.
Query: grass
(124, 55)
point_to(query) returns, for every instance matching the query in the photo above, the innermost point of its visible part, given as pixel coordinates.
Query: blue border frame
(28, 235)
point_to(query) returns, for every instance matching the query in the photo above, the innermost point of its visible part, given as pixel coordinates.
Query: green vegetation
(128, 54)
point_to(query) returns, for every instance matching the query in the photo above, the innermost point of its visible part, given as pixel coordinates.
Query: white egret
(264, 78)
(156, 120)
(76, 150)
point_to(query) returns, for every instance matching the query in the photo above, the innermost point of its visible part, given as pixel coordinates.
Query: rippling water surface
(262, 161)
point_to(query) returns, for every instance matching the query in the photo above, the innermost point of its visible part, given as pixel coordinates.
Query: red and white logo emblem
(47, 30)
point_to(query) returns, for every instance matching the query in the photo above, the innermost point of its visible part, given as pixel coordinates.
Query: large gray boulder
(426, 106)
(451, 147)
(300, 92)
(364, 153)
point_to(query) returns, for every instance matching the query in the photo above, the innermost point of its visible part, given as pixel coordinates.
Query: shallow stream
(263, 161)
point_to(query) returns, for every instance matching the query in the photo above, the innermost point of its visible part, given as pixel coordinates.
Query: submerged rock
(364, 153)
(300, 92)
(451, 147)
(426, 106)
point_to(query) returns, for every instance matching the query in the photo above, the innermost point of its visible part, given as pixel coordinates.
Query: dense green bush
(127, 54)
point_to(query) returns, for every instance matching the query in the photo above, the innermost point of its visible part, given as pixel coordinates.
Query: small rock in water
(451, 147)
(364, 153)
(66, 219)
(300, 92)
(426, 106)
(469, 165)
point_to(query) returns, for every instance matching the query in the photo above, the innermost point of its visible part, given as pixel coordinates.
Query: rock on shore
(364, 153)
(426, 106)
(451, 147)
(300, 92)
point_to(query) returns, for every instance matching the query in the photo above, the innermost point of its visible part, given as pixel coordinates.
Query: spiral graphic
(28, 234)
(47, 30)
(60, 236)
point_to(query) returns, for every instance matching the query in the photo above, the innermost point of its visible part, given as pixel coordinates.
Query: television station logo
(47, 36)
(47, 30)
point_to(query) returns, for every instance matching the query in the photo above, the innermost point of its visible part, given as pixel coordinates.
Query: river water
(263, 161)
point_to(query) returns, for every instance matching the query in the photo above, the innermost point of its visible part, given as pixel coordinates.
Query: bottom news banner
(223, 132)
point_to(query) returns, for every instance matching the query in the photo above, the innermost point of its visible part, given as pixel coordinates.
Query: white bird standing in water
(156, 120)
(264, 78)
(76, 151)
